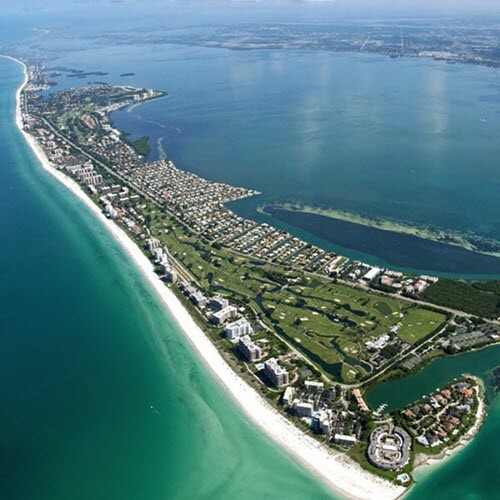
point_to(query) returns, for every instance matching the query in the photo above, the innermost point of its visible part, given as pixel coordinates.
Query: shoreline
(423, 460)
(336, 471)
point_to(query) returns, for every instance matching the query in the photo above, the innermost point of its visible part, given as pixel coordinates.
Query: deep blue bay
(414, 140)
(388, 248)
(407, 140)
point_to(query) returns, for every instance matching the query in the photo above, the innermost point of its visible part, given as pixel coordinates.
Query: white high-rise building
(220, 317)
(238, 328)
(218, 303)
(250, 350)
(276, 373)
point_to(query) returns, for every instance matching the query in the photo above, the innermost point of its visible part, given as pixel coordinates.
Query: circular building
(389, 447)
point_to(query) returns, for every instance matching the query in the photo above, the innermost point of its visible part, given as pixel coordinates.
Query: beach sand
(337, 471)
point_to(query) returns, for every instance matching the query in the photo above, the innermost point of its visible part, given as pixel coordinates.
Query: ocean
(96, 351)
(473, 471)
(101, 396)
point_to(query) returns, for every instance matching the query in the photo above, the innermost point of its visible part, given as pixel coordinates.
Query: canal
(401, 392)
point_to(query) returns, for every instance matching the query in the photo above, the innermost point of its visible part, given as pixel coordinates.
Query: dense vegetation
(478, 298)
(142, 146)
(327, 322)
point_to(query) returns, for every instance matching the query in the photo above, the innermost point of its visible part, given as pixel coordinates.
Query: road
(186, 274)
(162, 206)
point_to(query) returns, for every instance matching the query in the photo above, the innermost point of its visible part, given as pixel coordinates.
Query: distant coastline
(336, 470)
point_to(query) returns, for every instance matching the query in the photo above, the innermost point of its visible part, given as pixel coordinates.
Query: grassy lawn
(419, 323)
(328, 322)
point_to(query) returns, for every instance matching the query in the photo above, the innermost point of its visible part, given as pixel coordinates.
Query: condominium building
(250, 350)
(303, 408)
(220, 317)
(276, 373)
(312, 385)
(198, 299)
(345, 440)
(158, 254)
(288, 396)
(218, 303)
(238, 328)
(322, 422)
(171, 275)
(153, 243)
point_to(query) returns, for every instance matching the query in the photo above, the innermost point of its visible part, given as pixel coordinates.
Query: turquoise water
(473, 472)
(470, 474)
(96, 350)
(401, 392)
(85, 352)
(411, 140)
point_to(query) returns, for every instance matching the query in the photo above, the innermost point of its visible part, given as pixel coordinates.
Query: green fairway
(327, 322)
(418, 324)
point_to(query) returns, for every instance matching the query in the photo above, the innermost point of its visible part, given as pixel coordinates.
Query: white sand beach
(341, 474)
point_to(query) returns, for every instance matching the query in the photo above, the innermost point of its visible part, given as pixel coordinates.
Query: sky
(410, 6)
(191, 12)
